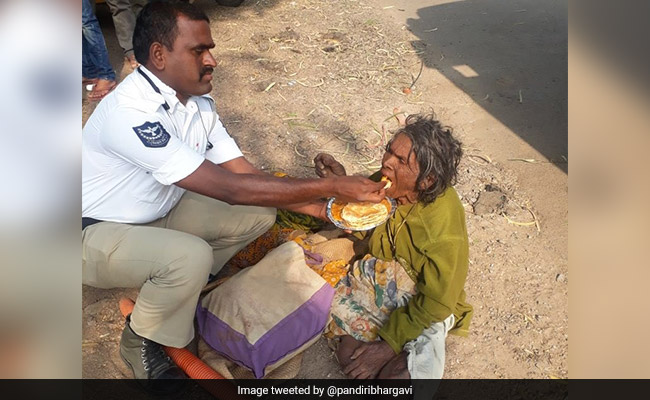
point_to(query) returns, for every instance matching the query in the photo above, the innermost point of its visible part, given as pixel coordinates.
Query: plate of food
(359, 216)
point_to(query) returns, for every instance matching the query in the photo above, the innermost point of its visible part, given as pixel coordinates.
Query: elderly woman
(395, 307)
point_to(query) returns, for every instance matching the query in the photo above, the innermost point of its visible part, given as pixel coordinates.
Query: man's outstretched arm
(252, 188)
(315, 208)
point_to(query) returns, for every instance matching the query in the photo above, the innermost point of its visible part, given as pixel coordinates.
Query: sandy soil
(298, 77)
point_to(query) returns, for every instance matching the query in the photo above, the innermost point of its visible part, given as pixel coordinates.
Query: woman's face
(400, 166)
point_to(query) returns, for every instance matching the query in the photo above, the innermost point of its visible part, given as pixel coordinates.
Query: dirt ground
(299, 77)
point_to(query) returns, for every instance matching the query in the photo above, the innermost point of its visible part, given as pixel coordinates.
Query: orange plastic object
(126, 306)
(192, 365)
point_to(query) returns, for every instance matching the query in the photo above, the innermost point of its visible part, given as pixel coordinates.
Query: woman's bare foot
(347, 346)
(396, 368)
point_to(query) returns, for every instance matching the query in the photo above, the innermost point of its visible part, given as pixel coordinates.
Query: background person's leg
(171, 267)
(96, 46)
(226, 228)
(124, 21)
(88, 69)
(136, 6)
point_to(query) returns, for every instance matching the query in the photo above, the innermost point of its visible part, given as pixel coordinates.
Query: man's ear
(157, 56)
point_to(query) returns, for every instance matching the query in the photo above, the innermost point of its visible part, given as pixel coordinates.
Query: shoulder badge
(152, 134)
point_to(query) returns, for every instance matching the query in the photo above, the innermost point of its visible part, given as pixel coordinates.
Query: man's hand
(368, 359)
(357, 188)
(327, 166)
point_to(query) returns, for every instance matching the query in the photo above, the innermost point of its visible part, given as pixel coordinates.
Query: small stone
(99, 309)
(94, 309)
(489, 202)
(560, 278)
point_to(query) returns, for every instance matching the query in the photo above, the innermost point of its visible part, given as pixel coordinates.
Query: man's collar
(167, 94)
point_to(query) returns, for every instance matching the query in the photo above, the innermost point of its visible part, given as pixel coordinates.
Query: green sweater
(432, 247)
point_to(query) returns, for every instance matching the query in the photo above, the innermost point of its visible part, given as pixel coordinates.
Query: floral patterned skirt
(366, 296)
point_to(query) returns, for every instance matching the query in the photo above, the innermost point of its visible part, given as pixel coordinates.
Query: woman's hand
(368, 359)
(327, 166)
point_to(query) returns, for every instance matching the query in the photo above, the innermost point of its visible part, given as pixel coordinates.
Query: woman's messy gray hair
(437, 152)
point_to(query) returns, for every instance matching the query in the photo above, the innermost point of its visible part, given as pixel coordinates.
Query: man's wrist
(331, 186)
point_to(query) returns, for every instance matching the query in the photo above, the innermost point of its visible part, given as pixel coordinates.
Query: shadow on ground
(510, 57)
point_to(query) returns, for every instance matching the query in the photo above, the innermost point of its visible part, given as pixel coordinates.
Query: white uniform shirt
(133, 150)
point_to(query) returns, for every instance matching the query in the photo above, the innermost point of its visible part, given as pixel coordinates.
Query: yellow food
(336, 210)
(388, 182)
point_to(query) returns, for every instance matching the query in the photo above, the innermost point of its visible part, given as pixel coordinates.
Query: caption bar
(329, 391)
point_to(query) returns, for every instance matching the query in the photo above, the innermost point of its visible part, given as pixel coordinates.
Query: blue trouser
(95, 63)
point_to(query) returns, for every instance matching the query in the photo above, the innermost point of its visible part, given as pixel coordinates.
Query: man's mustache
(206, 70)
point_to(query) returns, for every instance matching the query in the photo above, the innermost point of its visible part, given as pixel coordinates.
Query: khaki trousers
(170, 259)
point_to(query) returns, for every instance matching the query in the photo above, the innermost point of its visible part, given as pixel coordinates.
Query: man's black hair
(157, 23)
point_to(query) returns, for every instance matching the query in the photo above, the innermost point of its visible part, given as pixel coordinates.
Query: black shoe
(149, 362)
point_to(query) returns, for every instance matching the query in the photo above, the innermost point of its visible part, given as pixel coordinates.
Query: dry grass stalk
(485, 158)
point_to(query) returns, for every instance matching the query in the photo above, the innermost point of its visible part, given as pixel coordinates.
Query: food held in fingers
(388, 182)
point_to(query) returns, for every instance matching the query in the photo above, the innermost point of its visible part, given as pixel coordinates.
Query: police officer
(167, 196)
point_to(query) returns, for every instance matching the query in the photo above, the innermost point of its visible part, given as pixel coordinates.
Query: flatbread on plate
(359, 215)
